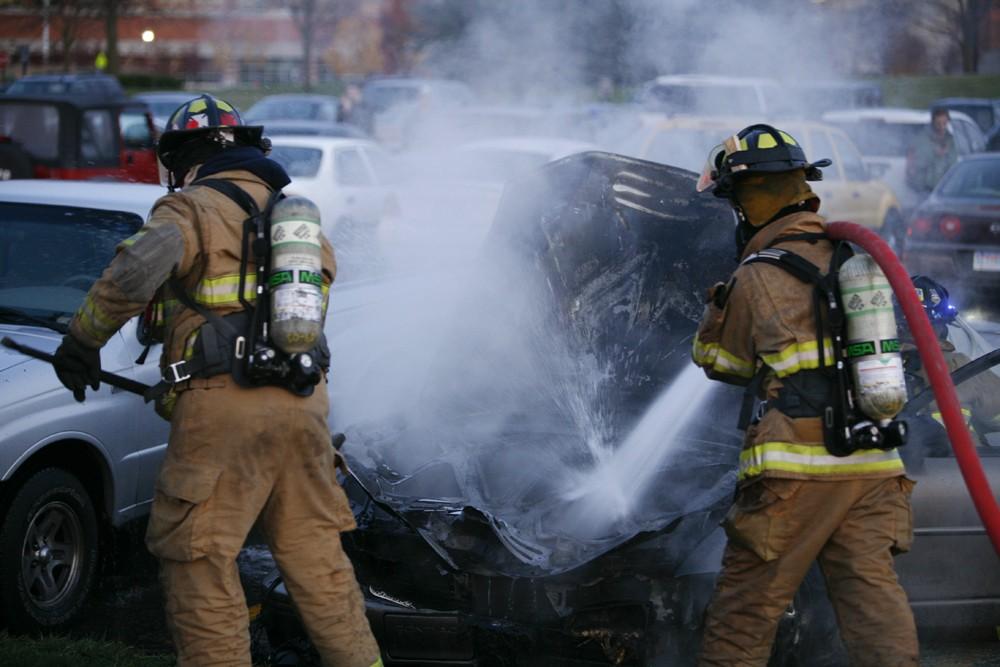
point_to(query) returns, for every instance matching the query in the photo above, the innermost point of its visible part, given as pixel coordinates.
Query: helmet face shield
(713, 166)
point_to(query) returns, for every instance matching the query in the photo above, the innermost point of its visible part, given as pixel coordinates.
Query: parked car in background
(954, 235)
(707, 94)
(90, 85)
(885, 135)
(69, 472)
(74, 138)
(293, 106)
(349, 179)
(313, 128)
(983, 110)
(162, 104)
(848, 190)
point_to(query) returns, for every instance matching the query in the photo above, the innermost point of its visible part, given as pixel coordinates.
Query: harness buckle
(178, 375)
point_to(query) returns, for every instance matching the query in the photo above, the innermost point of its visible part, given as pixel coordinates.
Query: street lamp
(148, 36)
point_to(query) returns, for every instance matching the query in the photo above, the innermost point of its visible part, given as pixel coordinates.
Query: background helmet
(935, 300)
(754, 150)
(208, 119)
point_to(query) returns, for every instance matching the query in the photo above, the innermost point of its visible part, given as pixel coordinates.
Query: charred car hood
(621, 252)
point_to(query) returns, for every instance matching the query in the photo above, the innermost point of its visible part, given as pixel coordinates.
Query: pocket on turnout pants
(177, 527)
(757, 520)
(903, 516)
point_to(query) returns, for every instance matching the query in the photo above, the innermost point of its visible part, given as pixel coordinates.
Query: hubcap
(52, 553)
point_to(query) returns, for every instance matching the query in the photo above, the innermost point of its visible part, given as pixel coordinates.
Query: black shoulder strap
(234, 192)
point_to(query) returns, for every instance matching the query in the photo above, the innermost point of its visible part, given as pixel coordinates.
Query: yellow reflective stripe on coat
(712, 355)
(814, 460)
(799, 357)
(966, 415)
(224, 290)
(98, 324)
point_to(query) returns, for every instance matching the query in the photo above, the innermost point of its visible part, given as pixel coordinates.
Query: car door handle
(350, 200)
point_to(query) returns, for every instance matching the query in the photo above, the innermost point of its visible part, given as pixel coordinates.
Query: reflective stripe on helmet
(814, 460)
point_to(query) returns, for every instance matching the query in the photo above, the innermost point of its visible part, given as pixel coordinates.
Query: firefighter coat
(195, 234)
(767, 319)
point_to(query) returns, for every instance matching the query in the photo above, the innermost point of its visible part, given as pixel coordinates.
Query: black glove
(77, 365)
(718, 293)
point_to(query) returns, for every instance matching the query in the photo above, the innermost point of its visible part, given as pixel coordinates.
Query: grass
(67, 652)
(920, 91)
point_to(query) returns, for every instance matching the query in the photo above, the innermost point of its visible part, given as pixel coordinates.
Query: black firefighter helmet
(753, 150)
(214, 123)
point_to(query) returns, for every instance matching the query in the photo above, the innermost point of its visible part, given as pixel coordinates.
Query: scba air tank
(296, 279)
(872, 339)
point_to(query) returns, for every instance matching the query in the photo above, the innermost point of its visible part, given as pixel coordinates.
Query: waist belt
(221, 348)
(807, 393)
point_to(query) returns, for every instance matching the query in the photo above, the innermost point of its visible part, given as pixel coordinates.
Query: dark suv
(985, 111)
(76, 137)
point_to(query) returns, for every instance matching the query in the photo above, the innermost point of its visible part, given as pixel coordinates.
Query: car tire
(49, 548)
(894, 231)
(14, 162)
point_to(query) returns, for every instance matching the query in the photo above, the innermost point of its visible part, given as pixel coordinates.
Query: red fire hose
(937, 370)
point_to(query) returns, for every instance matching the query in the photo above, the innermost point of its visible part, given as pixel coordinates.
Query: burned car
(538, 470)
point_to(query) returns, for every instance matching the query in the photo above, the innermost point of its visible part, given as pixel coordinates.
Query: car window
(682, 147)
(381, 97)
(97, 137)
(874, 136)
(981, 114)
(35, 127)
(976, 179)
(50, 255)
(962, 143)
(298, 161)
(820, 147)
(385, 171)
(135, 130)
(850, 158)
(350, 168)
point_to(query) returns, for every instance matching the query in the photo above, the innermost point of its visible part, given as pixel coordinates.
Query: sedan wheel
(50, 530)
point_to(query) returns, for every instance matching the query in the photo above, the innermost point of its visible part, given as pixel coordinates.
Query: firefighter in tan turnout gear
(245, 442)
(796, 503)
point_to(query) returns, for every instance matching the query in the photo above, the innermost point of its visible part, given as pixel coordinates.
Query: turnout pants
(776, 529)
(236, 454)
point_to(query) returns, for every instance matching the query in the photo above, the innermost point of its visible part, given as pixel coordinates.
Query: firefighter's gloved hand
(717, 294)
(77, 365)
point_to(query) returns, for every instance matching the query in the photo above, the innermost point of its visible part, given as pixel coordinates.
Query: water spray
(936, 368)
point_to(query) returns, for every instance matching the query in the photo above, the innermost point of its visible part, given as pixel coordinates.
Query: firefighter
(795, 502)
(236, 452)
(979, 395)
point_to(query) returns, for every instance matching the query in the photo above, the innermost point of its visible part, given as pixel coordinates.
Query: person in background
(932, 153)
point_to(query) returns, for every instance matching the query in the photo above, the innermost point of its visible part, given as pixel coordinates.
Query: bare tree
(315, 18)
(961, 23)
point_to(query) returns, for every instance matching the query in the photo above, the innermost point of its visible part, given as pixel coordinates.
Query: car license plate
(986, 261)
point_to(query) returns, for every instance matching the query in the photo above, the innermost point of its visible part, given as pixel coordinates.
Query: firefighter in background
(795, 502)
(235, 453)
(979, 395)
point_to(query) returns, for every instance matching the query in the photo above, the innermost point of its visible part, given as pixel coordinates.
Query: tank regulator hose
(936, 367)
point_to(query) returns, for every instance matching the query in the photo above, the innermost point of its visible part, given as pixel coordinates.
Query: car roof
(296, 96)
(713, 80)
(313, 141)
(888, 114)
(967, 101)
(135, 198)
(76, 101)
